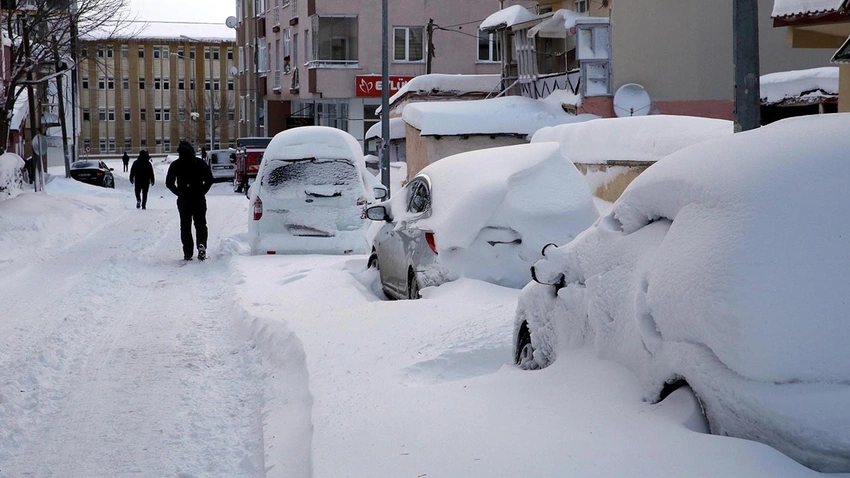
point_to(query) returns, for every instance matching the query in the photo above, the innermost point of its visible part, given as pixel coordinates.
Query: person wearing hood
(141, 174)
(126, 160)
(189, 178)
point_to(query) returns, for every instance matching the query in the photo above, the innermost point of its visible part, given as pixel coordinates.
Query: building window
(166, 145)
(141, 83)
(85, 83)
(141, 52)
(207, 85)
(112, 145)
(128, 145)
(156, 52)
(157, 114)
(334, 41)
(125, 51)
(408, 43)
(125, 83)
(111, 114)
(86, 114)
(216, 84)
(216, 53)
(581, 6)
(101, 114)
(86, 144)
(231, 114)
(100, 51)
(143, 114)
(101, 83)
(166, 114)
(489, 47)
(110, 83)
(181, 84)
(230, 85)
(157, 83)
(192, 84)
(229, 53)
(126, 114)
(109, 52)
(181, 114)
(102, 145)
(191, 53)
(166, 84)
(180, 51)
(165, 51)
(143, 142)
(206, 53)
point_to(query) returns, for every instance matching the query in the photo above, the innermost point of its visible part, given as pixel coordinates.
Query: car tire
(412, 286)
(524, 358)
(373, 260)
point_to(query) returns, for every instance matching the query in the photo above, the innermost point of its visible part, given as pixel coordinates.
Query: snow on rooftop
(506, 18)
(784, 8)
(173, 31)
(555, 26)
(441, 83)
(396, 129)
(635, 138)
(504, 115)
(776, 87)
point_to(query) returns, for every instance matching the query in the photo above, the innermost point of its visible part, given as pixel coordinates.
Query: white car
(310, 194)
(221, 164)
(483, 214)
(725, 266)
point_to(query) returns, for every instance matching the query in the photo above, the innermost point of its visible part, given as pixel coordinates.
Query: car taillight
(429, 238)
(99, 173)
(258, 209)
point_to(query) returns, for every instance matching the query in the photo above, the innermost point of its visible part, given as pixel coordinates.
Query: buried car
(311, 189)
(93, 172)
(724, 266)
(481, 214)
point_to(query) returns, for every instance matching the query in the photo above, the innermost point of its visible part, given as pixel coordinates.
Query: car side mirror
(546, 247)
(112, 169)
(380, 193)
(378, 213)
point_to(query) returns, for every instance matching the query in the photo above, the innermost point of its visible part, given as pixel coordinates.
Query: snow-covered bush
(11, 175)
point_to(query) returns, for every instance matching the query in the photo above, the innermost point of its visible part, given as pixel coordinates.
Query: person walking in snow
(126, 160)
(141, 174)
(189, 178)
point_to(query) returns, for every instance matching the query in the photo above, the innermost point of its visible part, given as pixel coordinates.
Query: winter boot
(202, 252)
(138, 204)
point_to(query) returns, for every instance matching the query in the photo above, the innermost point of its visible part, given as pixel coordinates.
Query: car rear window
(85, 165)
(313, 178)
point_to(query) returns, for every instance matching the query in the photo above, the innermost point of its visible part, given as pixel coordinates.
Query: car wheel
(412, 286)
(525, 349)
(373, 260)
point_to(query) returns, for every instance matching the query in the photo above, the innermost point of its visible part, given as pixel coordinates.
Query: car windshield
(313, 177)
(85, 165)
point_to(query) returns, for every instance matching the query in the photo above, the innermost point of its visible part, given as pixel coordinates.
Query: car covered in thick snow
(311, 190)
(482, 214)
(724, 266)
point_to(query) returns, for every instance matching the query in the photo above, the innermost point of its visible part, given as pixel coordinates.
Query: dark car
(93, 172)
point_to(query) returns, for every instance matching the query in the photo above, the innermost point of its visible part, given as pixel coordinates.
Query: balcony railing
(333, 64)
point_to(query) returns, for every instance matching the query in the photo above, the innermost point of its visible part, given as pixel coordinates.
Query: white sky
(213, 11)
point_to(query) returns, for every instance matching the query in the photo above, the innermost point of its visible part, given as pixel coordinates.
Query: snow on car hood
(531, 189)
(755, 264)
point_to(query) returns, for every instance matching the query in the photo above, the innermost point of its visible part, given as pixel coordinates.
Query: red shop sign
(371, 85)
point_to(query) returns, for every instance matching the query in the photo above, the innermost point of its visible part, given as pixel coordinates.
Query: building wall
(698, 65)
(456, 50)
(123, 97)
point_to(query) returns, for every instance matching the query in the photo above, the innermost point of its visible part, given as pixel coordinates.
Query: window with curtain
(409, 43)
(335, 41)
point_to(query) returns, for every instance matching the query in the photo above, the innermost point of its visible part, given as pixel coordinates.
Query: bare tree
(196, 131)
(50, 26)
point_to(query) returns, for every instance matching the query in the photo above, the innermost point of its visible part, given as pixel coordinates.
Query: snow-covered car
(311, 190)
(482, 214)
(724, 266)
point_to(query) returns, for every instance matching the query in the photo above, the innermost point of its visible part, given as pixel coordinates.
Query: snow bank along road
(117, 359)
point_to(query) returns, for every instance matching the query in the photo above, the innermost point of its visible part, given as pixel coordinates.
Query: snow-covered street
(118, 359)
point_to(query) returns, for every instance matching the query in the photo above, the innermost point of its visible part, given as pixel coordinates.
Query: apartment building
(319, 61)
(169, 83)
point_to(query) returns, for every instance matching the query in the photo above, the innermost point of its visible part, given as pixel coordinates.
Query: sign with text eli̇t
(370, 86)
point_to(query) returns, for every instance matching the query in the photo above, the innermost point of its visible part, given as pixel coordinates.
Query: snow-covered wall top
(775, 87)
(396, 129)
(635, 138)
(783, 8)
(506, 18)
(173, 31)
(505, 115)
(440, 83)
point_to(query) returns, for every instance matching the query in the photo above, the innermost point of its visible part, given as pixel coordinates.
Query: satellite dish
(231, 22)
(631, 99)
(233, 71)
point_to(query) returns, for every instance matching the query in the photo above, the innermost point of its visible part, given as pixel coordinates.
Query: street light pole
(211, 108)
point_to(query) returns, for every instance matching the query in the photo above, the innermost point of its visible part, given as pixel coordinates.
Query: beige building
(319, 61)
(153, 90)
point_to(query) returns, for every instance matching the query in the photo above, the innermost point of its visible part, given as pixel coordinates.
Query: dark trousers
(192, 210)
(125, 166)
(142, 193)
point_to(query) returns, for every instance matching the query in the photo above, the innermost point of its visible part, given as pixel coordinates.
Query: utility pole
(61, 98)
(385, 97)
(38, 183)
(745, 38)
(430, 53)
(73, 20)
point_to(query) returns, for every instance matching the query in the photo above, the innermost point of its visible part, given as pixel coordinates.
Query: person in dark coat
(189, 178)
(203, 153)
(141, 174)
(126, 160)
